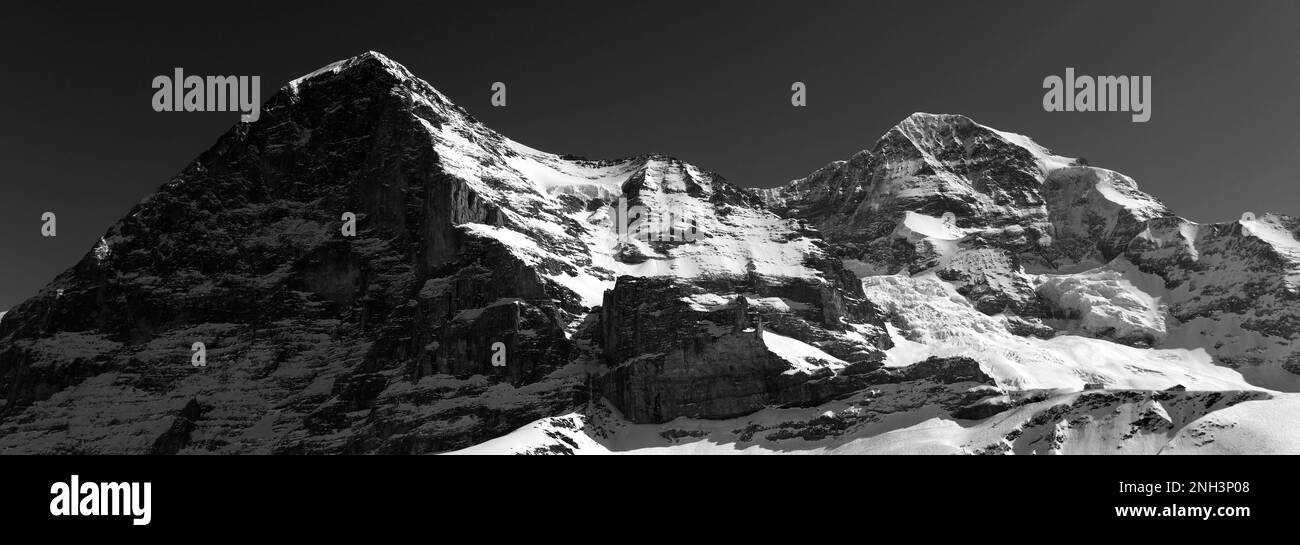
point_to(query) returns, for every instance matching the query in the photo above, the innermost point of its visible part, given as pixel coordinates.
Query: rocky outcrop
(1235, 285)
(676, 348)
(1112, 422)
(1095, 213)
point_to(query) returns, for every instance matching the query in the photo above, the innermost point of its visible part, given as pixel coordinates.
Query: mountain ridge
(470, 245)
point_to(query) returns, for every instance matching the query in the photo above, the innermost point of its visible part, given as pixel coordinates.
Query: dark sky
(704, 81)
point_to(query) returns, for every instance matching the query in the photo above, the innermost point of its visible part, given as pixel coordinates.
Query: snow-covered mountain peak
(945, 138)
(923, 127)
(562, 210)
(1003, 188)
(369, 59)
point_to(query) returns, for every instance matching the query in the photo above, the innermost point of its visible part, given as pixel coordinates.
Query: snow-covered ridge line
(345, 64)
(558, 210)
(404, 74)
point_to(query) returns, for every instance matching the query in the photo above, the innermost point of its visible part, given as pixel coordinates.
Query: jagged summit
(938, 134)
(496, 156)
(988, 180)
(561, 206)
(370, 59)
(922, 124)
(940, 151)
(372, 62)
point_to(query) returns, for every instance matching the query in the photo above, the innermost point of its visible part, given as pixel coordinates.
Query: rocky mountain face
(1232, 289)
(1048, 244)
(511, 300)
(467, 304)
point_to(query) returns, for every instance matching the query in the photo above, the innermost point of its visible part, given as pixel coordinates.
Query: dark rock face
(1230, 276)
(178, 433)
(304, 328)
(957, 386)
(946, 371)
(730, 376)
(1061, 428)
(928, 164)
(990, 279)
(1086, 223)
(671, 357)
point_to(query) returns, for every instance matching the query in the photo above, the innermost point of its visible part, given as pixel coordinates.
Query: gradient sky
(707, 82)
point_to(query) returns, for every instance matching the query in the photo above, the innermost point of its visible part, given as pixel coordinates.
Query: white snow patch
(546, 431)
(932, 227)
(942, 323)
(1266, 426)
(1107, 301)
(802, 356)
(905, 351)
(1249, 427)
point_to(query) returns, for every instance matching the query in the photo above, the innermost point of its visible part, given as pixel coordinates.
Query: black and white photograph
(259, 232)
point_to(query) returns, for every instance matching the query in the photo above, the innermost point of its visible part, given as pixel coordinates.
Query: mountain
(1048, 244)
(952, 289)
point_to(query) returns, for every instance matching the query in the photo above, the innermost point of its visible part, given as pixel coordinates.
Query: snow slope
(1116, 301)
(1255, 427)
(893, 419)
(803, 358)
(937, 321)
